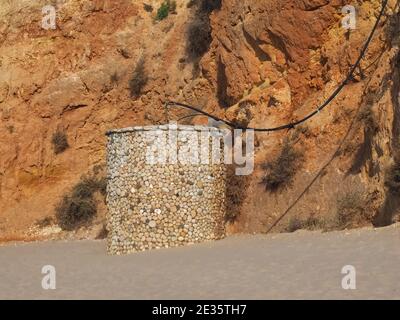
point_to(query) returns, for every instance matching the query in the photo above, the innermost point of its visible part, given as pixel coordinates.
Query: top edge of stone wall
(163, 128)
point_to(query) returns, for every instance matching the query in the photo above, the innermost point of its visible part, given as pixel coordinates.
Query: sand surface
(302, 265)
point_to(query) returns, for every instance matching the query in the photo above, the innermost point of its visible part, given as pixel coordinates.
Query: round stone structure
(166, 187)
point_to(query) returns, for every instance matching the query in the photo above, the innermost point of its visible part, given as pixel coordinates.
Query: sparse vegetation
(167, 7)
(139, 79)
(310, 223)
(78, 207)
(294, 225)
(351, 211)
(44, 222)
(148, 7)
(198, 38)
(74, 212)
(163, 11)
(392, 179)
(199, 31)
(281, 171)
(313, 223)
(60, 142)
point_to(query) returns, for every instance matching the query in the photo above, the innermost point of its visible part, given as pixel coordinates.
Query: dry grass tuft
(280, 172)
(78, 207)
(60, 142)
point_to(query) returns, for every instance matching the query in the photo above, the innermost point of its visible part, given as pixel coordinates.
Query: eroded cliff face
(281, 60)
(266, 63)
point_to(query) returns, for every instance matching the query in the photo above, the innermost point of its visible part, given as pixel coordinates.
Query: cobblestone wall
(153, 205)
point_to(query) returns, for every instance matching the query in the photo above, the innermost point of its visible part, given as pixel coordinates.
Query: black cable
(312, 114)
(190, 116)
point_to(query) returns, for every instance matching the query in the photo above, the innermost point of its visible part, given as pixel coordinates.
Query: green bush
(163, 11)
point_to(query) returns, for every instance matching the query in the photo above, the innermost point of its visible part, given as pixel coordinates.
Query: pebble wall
(174, 200)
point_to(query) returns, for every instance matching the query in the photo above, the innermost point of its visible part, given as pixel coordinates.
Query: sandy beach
(303, 265)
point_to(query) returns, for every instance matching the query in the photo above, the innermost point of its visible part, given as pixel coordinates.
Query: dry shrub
(78, 207)
(139, 79)
(199, 31)
(60, 142)
(311, 223)
(148, 7)
(198, 38)
(294, 225)
(207, 6)
(281, 171)
(44, 222)
(351, 211)
(75, 212)
(392, 179)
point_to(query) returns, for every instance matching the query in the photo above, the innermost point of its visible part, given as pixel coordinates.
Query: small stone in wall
(152, 224)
